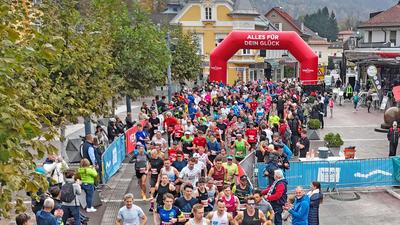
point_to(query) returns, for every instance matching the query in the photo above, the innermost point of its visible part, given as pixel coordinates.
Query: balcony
(362, 44)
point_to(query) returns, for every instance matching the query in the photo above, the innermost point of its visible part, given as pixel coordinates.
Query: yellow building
(210, 21)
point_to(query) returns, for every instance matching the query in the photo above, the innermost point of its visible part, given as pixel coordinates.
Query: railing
(340, 174)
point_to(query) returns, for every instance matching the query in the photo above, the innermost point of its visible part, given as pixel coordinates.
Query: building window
(198, 39)
(208, 12)
(219, 38)
(278, 26)
(370, 36)
(246, 51)
(320, 54)
(393, 34)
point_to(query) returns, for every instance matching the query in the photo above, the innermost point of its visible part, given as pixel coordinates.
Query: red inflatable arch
(272, 40)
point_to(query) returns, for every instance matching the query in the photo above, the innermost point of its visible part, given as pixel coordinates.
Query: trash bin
(349, 152)
(323, 152)
(396, 168)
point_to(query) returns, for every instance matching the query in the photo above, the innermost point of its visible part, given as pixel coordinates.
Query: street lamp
(169, 69)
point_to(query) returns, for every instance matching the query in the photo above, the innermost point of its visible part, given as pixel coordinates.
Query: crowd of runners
(189, 152)
(190, 149)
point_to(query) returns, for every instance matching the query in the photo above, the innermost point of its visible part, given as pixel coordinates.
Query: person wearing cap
(112, 130)
(232, 170)
(393, 138)
(240, 147)
(242, 190)
(187, 144)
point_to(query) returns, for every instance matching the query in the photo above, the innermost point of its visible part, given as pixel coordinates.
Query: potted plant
(333, 142)
(313, 126)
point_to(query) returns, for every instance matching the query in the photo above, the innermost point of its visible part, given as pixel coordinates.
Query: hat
(278, 145)
(40, 170)
(229, 157)
(243, 177)
(238, 135)
(196, 155)
(187, 132)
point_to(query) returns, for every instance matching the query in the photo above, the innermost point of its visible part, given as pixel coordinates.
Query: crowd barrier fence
(112, 158)
(339, 174)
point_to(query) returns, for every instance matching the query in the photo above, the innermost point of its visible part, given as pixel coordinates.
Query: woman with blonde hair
(88, 176)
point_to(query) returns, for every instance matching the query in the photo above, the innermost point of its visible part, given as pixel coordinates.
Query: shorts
(253, 145)
(139, 175)
(153, 181)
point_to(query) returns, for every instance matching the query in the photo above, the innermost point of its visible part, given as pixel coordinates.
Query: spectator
(54, 166)
(88, 150)
(44, 216)
(129, 121)
(276, 194)
(393, 138)
(299, 210)
(22, 219)
(112, 130)
(130, 213)
(69, 197)
(316, 198)
(88, 175)
(101, 137)
(303, 145)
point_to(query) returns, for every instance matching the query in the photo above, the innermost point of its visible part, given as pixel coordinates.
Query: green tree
(323, 23)
(25, 131)
(186, 62)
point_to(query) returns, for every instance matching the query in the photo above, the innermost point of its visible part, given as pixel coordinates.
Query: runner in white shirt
(198, 214)
(190, 173)
(220, 216)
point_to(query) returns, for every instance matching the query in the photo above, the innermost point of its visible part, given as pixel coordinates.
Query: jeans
(89, 190)
(278, 215)
(71, 211)
(392, 148)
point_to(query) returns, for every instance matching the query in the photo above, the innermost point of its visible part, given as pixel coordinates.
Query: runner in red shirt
(218, 173)
(251, 135)
(199, 141)
(169, 124)
(254, 104)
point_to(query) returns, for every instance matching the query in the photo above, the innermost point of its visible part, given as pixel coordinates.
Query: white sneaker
(91, 210)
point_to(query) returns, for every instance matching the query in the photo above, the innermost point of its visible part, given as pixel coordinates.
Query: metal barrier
(339, 174)
(248, 166)
(112, 158)
(364, 173)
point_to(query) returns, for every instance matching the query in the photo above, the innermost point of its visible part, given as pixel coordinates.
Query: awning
(396, 93)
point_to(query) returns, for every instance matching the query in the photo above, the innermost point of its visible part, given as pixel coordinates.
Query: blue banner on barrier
(338, 174)
(112, 158)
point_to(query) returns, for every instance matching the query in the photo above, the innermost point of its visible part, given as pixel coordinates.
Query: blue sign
(338, 174)
(112, 158)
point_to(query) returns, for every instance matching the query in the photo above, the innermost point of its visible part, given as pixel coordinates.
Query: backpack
(67, 193)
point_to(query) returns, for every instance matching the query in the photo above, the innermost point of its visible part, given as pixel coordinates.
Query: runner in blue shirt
(168, 214)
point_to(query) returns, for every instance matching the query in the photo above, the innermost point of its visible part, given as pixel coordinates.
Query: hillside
(358, 9)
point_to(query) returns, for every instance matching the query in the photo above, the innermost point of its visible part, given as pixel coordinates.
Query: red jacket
(279, 190)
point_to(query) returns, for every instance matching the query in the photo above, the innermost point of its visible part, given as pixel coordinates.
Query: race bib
(213, 152)
(186, 156)
(242, 206)
(142, 170)
(166, 223)
(219, 183)
(154, 171)
(187, 215)
(204, 202)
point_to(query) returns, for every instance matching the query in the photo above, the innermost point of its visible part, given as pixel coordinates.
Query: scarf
(271, 189)
(310, 193)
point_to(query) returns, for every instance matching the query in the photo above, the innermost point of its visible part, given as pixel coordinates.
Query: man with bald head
(88, 150)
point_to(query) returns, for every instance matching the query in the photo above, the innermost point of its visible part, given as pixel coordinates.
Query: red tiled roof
(287, 17)
(388, 18)
(346, 32)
